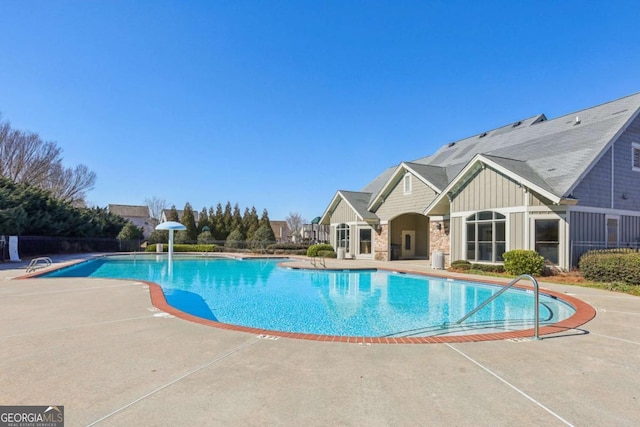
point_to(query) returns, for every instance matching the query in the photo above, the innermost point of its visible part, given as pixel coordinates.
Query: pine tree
(252, 223)
(219, 222)
(189, 221)
(227, 219)
(266, 232)
(203, 220)
(236, 220)
(173, 214)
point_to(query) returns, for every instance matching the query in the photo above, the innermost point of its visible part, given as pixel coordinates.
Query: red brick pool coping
(584, 313)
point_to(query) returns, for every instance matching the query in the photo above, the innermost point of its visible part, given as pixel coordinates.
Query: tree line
(220, 224)
(31, 211)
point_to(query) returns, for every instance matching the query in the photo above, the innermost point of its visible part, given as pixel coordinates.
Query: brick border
(584, 313)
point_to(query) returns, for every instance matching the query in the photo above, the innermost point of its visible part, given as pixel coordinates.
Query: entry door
(408, 244)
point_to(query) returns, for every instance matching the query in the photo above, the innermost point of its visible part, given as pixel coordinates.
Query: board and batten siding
(630, 229)
(490, 189)
(343, 214)
(587, 227)
(397, 203)
(626, 195)
(456, 233)
(516, 231)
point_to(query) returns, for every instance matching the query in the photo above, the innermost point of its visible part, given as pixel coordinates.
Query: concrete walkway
(101, 349)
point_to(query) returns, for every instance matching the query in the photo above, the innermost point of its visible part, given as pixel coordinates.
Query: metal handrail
(513, 282)
(33, 265)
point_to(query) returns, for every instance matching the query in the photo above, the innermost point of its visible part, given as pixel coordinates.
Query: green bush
(619, 265)
(130, 232)
(288, 246)
(205, 238)
(313, 249)
(327, 254)
(488, 268)
(184, 248)
(521, 261)
(235, 240)
(461, 264)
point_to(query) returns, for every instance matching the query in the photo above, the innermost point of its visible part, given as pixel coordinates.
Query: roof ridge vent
(577, 122)
(482, 135)
(516, 124)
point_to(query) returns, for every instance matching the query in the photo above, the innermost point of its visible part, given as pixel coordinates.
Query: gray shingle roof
(130, 211)
(556, 152)
(360, 201)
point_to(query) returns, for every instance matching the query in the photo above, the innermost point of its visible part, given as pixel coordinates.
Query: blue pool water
(258, 293)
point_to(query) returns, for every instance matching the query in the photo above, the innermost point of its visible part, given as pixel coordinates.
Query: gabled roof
(356, 200)
(130, 211)
(433, 176)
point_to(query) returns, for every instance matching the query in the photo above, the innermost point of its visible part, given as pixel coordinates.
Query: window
(365, 240)
(486, 236)
(342, 236)
(407, 183)
(547, 232)
(635, 157)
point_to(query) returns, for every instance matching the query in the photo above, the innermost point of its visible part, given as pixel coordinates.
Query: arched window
(342, 236)
(486, 236)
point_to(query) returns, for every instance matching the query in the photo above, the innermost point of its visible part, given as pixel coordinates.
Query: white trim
(516, 209)
(613, 171)
(562, 236)
(604, 211)
(387, 187)
(634, 147)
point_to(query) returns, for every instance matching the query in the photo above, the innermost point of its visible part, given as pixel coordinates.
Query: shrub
(130, 232)
(288, 246)
(181, 237)
(263, 237)
(488, 268)
(461, 264)
(313, 249)
(327, 254)
(185, 248)
(521, 261)
(205, 238)
(621, 266)
(235, 240)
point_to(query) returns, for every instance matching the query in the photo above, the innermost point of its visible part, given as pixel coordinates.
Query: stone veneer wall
(382, 243)
(439, 240)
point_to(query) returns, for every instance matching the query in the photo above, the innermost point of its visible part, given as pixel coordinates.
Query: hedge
(614, 265)
(327, 254)
(461, 264)
(521, 261)
(184, 248)
(313, 249)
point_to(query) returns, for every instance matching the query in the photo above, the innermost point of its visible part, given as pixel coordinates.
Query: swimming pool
(260, 293)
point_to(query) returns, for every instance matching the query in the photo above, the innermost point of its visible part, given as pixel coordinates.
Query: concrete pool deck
(101, 349)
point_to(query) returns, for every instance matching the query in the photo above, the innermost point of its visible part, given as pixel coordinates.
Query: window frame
(479, 221)
(635, 153)
(407, 183)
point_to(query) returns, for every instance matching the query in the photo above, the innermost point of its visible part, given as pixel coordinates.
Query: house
(559, 186)
(138, 215)
(281, 231)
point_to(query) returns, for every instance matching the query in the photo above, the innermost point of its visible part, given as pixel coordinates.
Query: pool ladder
(40, 262)
(513, 282)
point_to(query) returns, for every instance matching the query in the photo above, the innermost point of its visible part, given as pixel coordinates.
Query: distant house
(559, 186)
(138, 215)
(281, 231)
(315, 232)
(165, 214)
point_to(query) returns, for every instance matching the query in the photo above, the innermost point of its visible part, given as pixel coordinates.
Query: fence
(29, 246)
(579, 248)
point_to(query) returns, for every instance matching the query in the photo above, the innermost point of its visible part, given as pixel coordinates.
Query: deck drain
(519, 339)
(268, 337)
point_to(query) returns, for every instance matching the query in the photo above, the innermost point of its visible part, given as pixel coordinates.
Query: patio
(101, 349)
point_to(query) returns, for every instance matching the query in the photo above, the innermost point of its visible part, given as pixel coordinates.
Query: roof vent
(516, 124)
(577, 122)
(482, 135)
(451, 144)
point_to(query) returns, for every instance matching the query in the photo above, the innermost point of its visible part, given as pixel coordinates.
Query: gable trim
(401, 170)
(332, 206)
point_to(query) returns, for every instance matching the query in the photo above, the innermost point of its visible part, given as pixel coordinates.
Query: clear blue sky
(278, 104)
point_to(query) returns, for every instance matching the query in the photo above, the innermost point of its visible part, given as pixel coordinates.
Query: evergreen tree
(236, 220)
(235, 239)
(252, 223)
(173, 214)
(264, 221)
(130, 232)
(219, 221)
(227, 220)
(189, 221)
(213, 223)
(203, 220)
